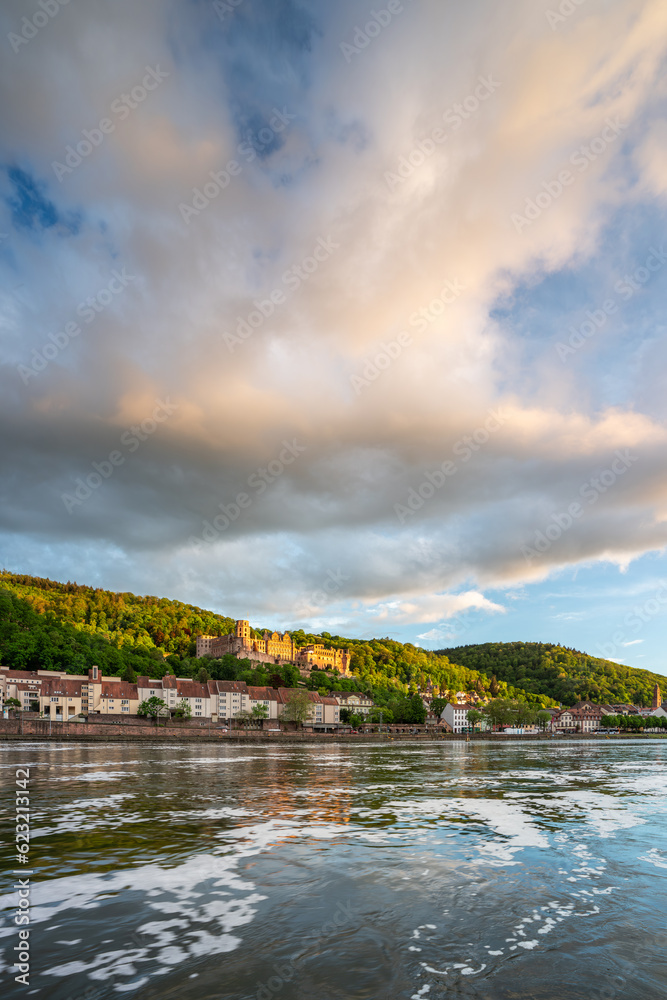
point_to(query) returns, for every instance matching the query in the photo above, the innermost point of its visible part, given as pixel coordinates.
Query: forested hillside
(64, 626)
(124, 619)
(564, 674)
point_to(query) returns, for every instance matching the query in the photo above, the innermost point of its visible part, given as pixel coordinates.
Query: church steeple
(657, 700)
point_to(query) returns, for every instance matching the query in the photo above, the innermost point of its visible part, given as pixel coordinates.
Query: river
(292, 872)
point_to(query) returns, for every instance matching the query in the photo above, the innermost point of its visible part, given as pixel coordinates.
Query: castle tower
(657, 700)
(243, 631)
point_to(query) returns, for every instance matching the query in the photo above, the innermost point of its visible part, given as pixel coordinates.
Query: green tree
(544, 720)
(524, 713)
(153, 708)
(417, 710)
(129, 674)
(259, 712)
(183, 710)
(298, 708)
(244, 717)
(498, 712)
(438, 706)
(474, 717)
(12, 703)
(377, 715)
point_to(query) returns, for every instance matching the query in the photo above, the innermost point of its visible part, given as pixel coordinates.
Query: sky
(341, 316)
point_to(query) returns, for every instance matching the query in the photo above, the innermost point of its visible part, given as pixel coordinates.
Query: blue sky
(342, 317)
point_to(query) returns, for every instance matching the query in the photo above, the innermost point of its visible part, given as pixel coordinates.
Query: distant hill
(561, 673)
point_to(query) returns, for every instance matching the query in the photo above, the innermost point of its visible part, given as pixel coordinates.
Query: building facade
(357, 702)
(456, 716)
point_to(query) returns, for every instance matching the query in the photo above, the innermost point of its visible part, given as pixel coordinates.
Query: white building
(456, 716)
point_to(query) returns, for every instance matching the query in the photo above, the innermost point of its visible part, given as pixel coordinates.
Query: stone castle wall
(273, 648)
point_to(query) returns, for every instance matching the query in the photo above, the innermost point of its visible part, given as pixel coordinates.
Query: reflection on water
(336, 871)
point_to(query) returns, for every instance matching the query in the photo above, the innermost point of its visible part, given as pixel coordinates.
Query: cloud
(247, 261)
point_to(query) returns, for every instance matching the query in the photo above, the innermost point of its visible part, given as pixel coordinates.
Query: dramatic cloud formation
(326, 315)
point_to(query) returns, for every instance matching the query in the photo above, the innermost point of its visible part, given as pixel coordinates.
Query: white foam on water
(125, 988)
(229, 904)
(93, 776)
(264, 836)
(654, 857)
(506, 819)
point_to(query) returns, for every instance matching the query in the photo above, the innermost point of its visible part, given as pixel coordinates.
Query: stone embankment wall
(108, 729)
(111, 730)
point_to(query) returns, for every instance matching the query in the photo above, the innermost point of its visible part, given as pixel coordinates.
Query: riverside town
(38, 698)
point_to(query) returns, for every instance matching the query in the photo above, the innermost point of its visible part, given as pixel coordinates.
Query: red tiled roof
(23, 675)
(263, 694)
(286, 694)
(227, 686)
(70, 687)
(191, 689)
(119, 689)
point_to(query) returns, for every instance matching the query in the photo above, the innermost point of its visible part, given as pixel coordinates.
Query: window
(197, 713)
(125, 708)
(55, 699)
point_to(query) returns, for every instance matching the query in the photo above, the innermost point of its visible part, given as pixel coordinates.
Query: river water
(329, 870)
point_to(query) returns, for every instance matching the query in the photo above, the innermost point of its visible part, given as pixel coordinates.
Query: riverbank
(112, 731)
